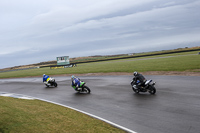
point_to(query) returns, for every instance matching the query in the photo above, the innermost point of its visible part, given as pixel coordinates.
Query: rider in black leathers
(139, 79)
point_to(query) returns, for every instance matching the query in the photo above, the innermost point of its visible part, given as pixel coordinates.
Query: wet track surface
(175, 108)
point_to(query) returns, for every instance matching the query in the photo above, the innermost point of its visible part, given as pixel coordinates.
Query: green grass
(34, 116)
(189, 61)
(135, 54)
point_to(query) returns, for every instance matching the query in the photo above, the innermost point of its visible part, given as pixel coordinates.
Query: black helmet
(135, 73)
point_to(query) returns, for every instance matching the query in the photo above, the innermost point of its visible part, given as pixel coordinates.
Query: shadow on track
(80, 94)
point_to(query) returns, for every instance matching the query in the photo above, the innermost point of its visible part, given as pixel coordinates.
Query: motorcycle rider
(46, 78)
(75, 83)
(139, 79)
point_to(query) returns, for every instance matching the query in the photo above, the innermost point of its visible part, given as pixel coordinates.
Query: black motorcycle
(147, 87)
(51, 82)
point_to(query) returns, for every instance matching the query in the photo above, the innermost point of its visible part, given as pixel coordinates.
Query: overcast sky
(32, 31)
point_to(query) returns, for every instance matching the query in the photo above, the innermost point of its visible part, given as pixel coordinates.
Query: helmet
(72, 77)
(43, 74)
(135, 73)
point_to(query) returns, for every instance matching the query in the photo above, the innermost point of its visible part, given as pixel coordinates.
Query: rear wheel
(86, 89)
(152, 90)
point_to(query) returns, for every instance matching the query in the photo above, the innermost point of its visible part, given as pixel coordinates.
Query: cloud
(62, 27)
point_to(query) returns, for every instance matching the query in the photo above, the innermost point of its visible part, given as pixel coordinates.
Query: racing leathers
(76, 83)
(139, 79)
(46, 79)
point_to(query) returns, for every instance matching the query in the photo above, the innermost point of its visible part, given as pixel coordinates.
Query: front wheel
(136, 90)
(47, 85)
(152, 90)
(86, 89)
(55, 84)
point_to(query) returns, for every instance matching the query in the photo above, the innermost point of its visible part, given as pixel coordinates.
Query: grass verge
(19, 115)
(187, 61)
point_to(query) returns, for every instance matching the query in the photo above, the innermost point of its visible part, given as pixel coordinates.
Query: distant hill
(99, 57)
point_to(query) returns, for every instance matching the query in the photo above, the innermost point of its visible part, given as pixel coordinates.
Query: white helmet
(135, 73)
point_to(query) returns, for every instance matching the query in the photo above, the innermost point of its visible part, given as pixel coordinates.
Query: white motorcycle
(51, 82)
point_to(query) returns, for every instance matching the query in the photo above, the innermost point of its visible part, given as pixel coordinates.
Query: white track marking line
(94, 116)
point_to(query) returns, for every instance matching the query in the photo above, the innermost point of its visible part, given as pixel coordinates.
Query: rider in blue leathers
(75, 83)
(46, 78)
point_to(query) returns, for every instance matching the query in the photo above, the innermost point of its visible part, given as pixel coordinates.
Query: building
(64, 60)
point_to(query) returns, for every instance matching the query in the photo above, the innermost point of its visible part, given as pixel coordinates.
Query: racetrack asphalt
(175, 108)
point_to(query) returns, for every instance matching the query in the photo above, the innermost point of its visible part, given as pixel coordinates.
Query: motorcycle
(83, 88)
(147, 87)
(51, 82)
